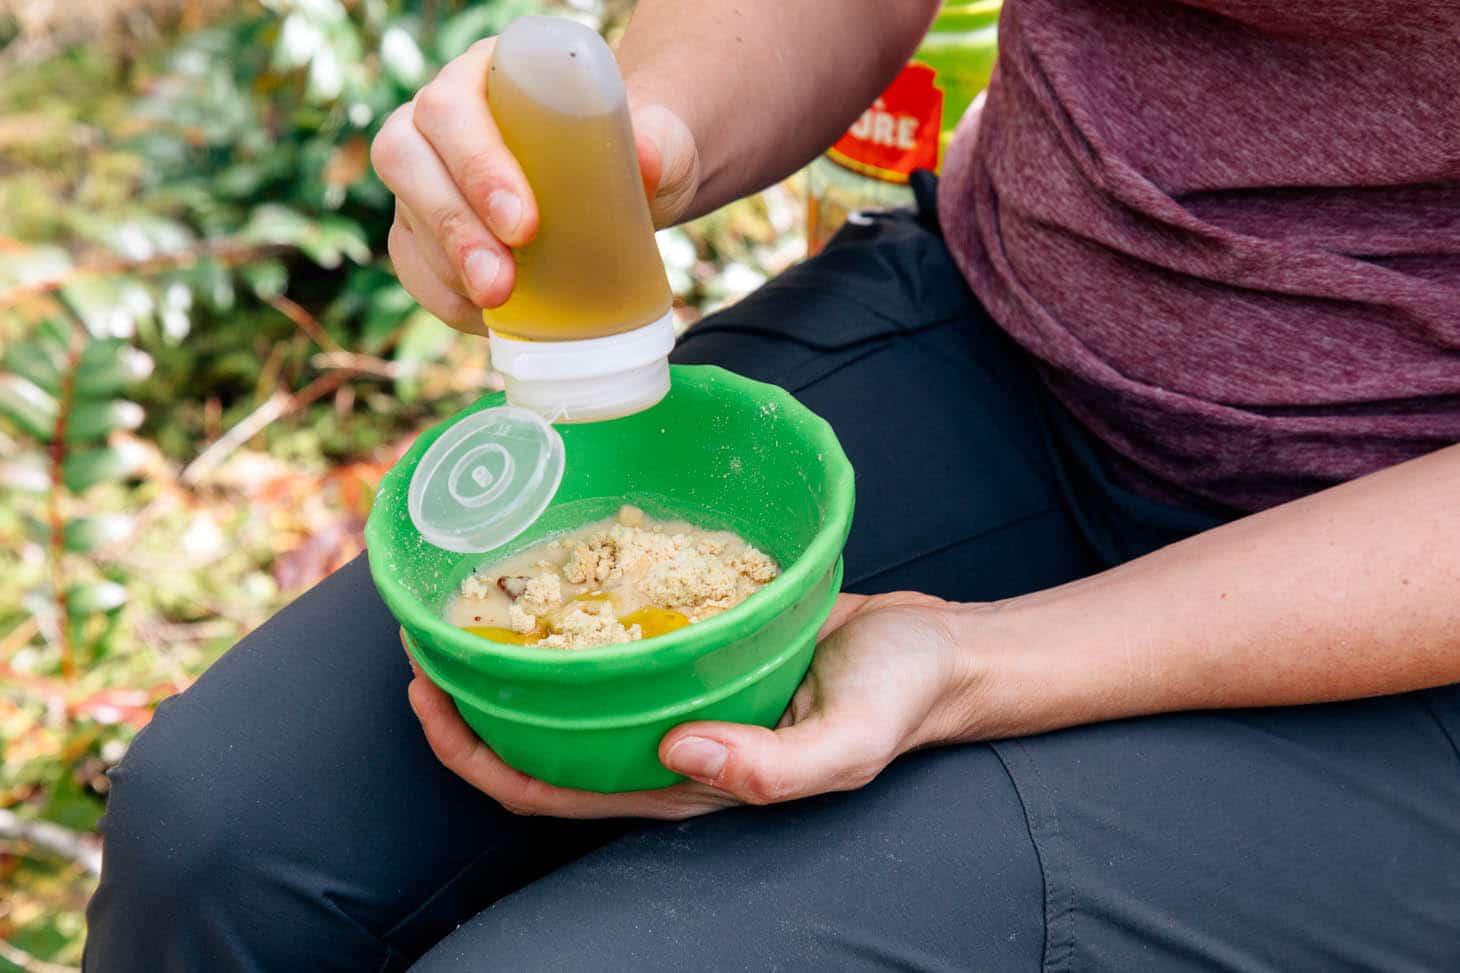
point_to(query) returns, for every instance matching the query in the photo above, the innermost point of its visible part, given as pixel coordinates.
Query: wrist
(971, 676)
(1022, 668)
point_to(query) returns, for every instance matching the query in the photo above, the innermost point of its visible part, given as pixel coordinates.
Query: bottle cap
(588, 380)
(486, 479)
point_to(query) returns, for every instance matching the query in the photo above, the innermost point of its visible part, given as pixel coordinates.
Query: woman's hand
(462, 200)
(887, 678)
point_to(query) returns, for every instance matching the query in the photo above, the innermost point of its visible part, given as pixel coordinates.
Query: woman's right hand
(462, 201)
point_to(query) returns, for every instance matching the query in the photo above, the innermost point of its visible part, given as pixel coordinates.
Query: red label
(899, 133)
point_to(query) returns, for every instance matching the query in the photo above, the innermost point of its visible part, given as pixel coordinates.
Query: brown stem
(303, 320)
(226, 252)
(275, 407)
(53, 837)
(57, 520)
(357, 363)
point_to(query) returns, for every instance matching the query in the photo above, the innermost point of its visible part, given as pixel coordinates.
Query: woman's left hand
(887, 678)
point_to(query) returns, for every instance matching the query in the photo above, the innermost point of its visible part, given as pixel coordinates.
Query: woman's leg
(930, 867)
(1307, 839)
(285, 813)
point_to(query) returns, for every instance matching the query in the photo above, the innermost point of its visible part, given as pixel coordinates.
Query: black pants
(284, 814)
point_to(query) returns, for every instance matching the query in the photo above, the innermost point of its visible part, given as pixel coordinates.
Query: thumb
(760, 766)
(668, 161)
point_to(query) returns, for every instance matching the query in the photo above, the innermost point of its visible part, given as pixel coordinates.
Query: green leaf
(276, 224)
(240, 181)
(424, 339)
(28, 471)
(49, 937)
(83, 468)
(36, 530)
(368, 309)
(326, 242)
(70, 806)
(88, 533)
(138, 236)
(212, 283)
(267, 278)
(108, 366)
(55, 337)
(336, 238)
(100, 596)
(388, 308)
(477, 21)
(111, 306)
(93, 419)
(30, 407)
(402, 57)
(40, 361)
(102, 639)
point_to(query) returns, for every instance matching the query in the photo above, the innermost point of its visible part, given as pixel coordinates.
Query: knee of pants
(194, 876)
(929, 867)
(170, 832)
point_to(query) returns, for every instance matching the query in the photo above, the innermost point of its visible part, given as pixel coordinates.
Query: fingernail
(504, 212)
(697, 757)
(481, 268)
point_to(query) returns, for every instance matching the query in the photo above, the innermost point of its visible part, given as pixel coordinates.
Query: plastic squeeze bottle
(587, 330)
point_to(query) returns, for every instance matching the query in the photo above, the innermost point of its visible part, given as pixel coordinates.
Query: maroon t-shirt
(1229, 230)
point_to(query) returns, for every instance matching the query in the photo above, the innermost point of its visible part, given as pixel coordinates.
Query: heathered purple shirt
(1229, 230)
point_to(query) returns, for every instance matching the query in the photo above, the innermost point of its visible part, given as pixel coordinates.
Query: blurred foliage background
(206, 362)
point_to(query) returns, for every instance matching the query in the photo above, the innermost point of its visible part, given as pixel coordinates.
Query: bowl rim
(647, 655)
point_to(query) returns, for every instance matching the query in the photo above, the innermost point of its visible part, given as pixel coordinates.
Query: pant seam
(425, 903)
(796, 385)
(1038, 852)
(1042, 816)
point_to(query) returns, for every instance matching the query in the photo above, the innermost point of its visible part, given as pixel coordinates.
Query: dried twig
(359, 364)
(275, 407)
(245, 429)
(53, 838)
(226, 252)
(18, 636)
(29, 963)
(303, 320)
(164, 632)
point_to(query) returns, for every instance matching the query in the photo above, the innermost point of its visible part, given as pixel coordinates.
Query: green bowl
(721, 451)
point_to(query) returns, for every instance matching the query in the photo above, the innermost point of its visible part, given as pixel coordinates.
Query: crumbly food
(582, 586)
(593, 623)
(520, 620)
(542, 593)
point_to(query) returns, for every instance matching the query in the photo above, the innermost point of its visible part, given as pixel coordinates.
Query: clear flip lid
(486, 479)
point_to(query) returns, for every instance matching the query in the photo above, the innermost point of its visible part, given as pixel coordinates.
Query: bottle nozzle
(588, 380)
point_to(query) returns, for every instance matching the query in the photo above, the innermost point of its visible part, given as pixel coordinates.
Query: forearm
(1351, 592)
(764, 84)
